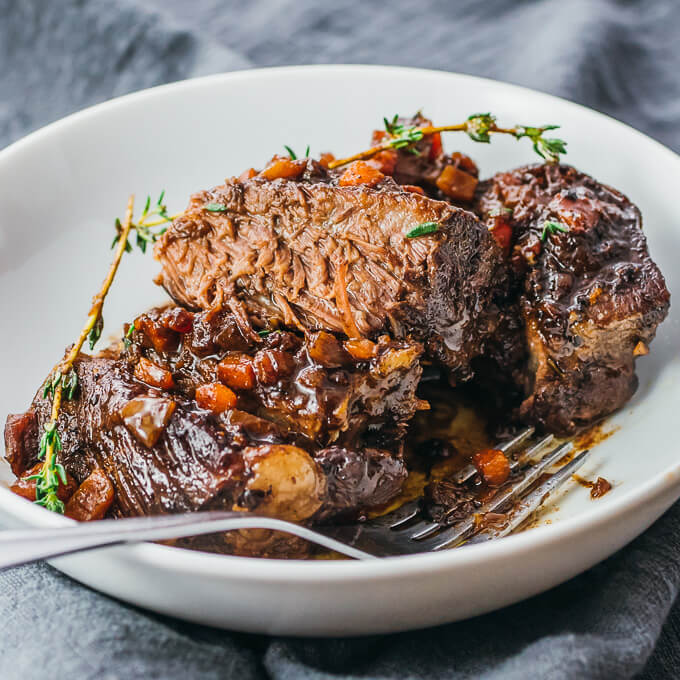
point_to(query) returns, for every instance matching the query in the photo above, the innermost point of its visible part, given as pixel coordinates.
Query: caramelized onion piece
(92, 499)
(284, 482)
(25, 487)
(326, 349)
(147, 417)
(394, 359)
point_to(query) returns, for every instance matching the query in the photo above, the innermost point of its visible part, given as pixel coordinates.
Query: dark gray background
(57, 56)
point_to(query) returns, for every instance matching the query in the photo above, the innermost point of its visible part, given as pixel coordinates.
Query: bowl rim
(323, 571)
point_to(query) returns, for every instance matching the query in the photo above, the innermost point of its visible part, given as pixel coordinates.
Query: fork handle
(30, 545)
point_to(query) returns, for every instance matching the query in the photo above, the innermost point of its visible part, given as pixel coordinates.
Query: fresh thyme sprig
(479, 127)
(144, 227)
(63, 382)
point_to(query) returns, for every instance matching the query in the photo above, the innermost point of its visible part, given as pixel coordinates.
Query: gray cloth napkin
(56, 56)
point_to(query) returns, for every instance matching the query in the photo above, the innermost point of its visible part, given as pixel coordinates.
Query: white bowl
(60, 189)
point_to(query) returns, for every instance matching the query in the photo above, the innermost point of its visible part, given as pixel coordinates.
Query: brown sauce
(598, 488)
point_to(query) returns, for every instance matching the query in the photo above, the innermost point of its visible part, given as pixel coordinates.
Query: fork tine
(463, 529)
(376, 538)
(400, 517)
(405, 515)
(467, 472)
(534, 499)
(536, 452)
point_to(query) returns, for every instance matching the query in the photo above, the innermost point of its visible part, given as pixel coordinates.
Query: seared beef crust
(588, 295)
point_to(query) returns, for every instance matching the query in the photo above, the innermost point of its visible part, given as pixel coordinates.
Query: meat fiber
(316, 255)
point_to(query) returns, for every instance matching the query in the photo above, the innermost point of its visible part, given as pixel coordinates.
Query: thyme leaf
(293, 155)
(549, 148)
(215, 207)
(96, 331)
(550, 227)
(422, 229)
(153, 215)
(479, 125)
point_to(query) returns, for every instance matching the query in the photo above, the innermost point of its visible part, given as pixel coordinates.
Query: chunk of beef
(585, 298)
(165, 452)
(310, 253)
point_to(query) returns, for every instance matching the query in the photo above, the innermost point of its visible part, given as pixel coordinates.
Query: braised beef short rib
(585, 297)
(315, 430)
(311, 253)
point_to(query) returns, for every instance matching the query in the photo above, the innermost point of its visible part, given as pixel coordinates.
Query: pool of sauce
(443, 440)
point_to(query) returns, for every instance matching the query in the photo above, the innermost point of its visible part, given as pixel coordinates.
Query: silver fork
(404, 531)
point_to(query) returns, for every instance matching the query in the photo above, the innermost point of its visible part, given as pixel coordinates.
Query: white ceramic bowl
(60, 189)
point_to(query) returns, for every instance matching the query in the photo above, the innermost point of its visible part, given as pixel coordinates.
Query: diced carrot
(326, 159)
(436, 147)
(92, 499)
(378, 137)
(237, 372)
(153, 375)
(162, 339)
(361, 349)
(281, 167)
(25, 487)
(247, 174)
(457, 184)
(641, 349)
(385, 161)
(215, 397)
(360, 172)
(493, 466)
(465, 163)
(502, 231)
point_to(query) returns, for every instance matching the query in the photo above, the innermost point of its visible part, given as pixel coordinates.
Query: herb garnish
(63, 382)
(478, 126)
(215, 207)
(126, 340)
(293, 155)
(143, 227)
(550, 227)
(422, 229)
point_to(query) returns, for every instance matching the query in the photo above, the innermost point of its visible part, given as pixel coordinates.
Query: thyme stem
(478, 127)
(47, 480)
